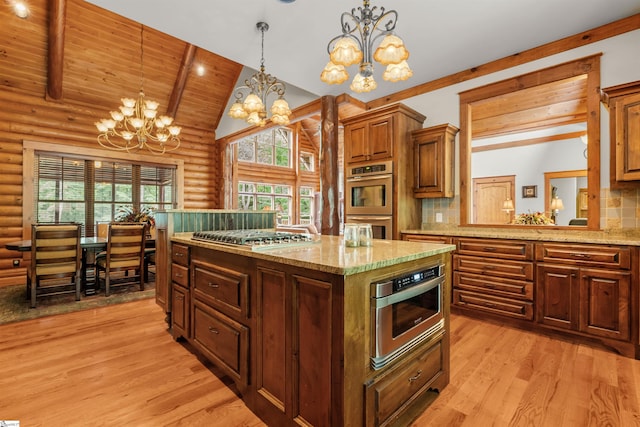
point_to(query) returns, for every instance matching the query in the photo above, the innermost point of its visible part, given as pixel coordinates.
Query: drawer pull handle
(214, 330)
(213, 285)
(179, 297)
(178, 274)
(489, 285)
(178, 254)
(416, 376)
(490, 305)
(580, 255)
(489, 249)
(489, 267)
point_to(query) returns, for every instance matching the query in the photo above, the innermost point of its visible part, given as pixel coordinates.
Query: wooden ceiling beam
(181, 79)
(57, 18)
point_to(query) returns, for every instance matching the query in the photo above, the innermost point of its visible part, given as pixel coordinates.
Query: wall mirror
(515, 132)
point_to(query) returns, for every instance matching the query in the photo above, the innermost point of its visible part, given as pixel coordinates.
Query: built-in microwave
(369, 189)
(405, 311)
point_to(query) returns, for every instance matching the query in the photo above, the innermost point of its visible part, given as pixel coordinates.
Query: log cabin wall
(96, 60)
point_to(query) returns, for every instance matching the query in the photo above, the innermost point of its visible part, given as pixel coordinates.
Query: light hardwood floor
(118, 366)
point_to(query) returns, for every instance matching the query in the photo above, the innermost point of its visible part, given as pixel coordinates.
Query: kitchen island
(294, 327)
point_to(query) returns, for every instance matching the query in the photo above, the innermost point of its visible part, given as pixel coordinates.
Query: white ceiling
(443, 36)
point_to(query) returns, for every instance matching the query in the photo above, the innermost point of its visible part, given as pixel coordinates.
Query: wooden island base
(292, 328)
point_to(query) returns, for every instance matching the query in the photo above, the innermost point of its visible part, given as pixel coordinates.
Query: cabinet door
(380, 139)
(293, 351)
(557, 296)
(356, 143)
(628, 138)
(605, 298)
(180, 313)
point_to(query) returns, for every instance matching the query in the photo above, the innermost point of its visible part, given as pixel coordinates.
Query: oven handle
(408, 293)
(357, 178)
(370, 219)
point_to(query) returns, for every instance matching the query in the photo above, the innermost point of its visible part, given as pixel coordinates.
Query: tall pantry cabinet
(384, 134)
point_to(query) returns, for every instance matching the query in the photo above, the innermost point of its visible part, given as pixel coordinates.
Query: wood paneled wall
(101, 64)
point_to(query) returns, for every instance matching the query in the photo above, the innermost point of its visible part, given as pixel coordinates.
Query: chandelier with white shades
(361, 29)
(136, 125)
(255, 92)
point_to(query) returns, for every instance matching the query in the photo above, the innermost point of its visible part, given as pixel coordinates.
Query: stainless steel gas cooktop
(255, 239)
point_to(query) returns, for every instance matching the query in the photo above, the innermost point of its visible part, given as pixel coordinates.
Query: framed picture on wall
(529, 191)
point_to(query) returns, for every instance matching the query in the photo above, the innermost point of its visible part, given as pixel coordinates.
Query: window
(272, 147)
(267, 197)
(306, 205)
(90, 191)
(307, 162)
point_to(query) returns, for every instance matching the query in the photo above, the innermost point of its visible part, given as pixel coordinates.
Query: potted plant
(133, 214)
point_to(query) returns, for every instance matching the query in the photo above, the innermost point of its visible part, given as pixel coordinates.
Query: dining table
(90, 247)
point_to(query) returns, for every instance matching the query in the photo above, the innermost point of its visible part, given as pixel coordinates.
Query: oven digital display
(415, 278)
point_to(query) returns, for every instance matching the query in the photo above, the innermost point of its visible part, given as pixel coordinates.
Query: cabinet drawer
(496, 248)
(590, 255)
(180, 274)
(180, 254)
(509, 288)
(503, 268)
(492, 304)
(427, 238)
(224, 341)
(223, 288)
(388, 393)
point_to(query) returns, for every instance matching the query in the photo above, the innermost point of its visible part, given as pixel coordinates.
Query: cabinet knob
(416, 376)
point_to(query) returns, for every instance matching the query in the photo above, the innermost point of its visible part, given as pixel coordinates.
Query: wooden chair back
(55, 250)
(56, 258)
(125, 246)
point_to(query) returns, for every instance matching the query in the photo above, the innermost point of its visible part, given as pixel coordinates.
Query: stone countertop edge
(330, 255)
(628, 237)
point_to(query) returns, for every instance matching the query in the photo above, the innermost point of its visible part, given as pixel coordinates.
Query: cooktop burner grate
(256, 239)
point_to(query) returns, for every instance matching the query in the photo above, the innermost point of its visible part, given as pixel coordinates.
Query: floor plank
(118, 365)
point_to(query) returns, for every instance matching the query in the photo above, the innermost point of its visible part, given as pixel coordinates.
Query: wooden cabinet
(433, 157)
(624, 120)
(220, 308)
(585, 288)
(419, 377)
(494, 276)
(180, 319)
(380, 135)
(369, 140)
(294, 346)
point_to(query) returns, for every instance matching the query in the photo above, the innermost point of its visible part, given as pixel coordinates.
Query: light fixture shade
(361, 84)
(253, 104)
(397, 72)
(255, 120)
(334, 74)
(507, 205)
(556, 204)
(391, 50)
(346, 52)
(280, 119)
(237, 111)
(280, 107)
(128, 102)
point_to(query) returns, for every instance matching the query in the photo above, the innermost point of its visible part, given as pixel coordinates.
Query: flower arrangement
(132, 214)
(532, 218)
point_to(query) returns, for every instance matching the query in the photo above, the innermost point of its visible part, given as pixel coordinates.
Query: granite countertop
(330, 255)
(604, 237)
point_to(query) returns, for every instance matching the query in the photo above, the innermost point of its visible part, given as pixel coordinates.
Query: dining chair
(55, 260)
(123, 262)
